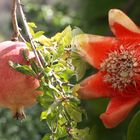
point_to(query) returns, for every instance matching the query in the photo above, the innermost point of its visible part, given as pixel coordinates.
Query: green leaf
(64, 37)
(32, 31)
(67, 35)
(25, 69)
(76, 31)
(134, 128)
(80, 66)
(35, 67)
(47, 137)
(66, 74)
(74, 112)
(32, 25)
(43, 115)
(75, 89)
(38, 34)
(80, 134)
(50, 110)
(39, 48)
(24, 53)
(61, 131)
(44, 40)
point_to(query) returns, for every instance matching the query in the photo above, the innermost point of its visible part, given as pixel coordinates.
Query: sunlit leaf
(75, 89)
(44, 40)
(50, 110)
(80, 134)
(47, 137)
(80, 66)
(74, 112)
(38, 34)
(32, 25)
(76, 31)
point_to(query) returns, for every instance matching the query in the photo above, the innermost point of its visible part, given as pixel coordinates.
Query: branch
(28, 32)
(16, 29)
(14, 22)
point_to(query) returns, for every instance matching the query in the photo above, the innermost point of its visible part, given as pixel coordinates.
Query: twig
(21, 37)
(16, 29)
(14, 22)
(28, 32)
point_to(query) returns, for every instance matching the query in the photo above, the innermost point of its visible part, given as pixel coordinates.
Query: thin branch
(21, 37)
(28, 32)
(14, 22)
(16, 29)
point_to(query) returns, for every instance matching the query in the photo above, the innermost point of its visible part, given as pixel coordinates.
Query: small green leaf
(32, 25)
(80, 134)
(67, 74)
(50, 110)
(76, 31)
(44, 40)
(47, 137)
(74, 112)
(63, 38)
(24, 53)
(75, 89)
(25, 69)
(134, 128)
(80, 66)
(39, 48)
(67, 36)
(38, 34)
(32, 31)
(35, 67)
(43, 115)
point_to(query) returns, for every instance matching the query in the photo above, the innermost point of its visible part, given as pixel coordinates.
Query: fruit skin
(17, 90)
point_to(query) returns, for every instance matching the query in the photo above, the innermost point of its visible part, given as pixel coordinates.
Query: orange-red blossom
(118, 61)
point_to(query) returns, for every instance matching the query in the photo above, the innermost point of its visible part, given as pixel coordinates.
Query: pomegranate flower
(118, 61)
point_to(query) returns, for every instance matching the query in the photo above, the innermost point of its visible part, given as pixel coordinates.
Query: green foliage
(80, 66)
(30, 128)
(25, 69)
(82, 134)
(134, 128)
(62, 112)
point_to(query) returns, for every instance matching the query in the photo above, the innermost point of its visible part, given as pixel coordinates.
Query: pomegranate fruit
(17, 90)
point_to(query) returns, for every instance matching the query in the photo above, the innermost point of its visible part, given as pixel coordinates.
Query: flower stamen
(120, 67)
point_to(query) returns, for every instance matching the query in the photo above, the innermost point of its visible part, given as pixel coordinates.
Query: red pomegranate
(17, 90)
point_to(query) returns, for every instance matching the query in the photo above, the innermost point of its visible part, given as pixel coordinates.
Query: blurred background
(53, 16)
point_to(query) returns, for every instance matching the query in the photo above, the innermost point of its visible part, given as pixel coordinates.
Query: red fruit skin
(17, 90)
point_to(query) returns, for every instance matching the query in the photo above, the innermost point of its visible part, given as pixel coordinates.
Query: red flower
(118, 61)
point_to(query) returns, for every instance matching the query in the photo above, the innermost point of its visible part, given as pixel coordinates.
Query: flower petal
(118, 110)
(94, 48)
(95, 87)
(122, 26)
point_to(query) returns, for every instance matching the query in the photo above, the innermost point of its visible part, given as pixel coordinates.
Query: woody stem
(28, 32)
(14, 22)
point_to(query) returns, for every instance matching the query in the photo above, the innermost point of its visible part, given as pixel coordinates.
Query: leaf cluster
(58, 77)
